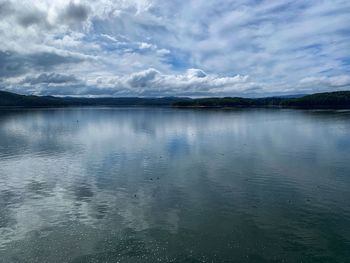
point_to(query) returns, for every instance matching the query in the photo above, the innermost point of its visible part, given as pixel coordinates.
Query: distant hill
(339, 99)
(16, 100)
(333, 100)
(8, 99)
(230, 102)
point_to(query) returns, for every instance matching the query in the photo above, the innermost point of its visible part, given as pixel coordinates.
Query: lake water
(172, 185)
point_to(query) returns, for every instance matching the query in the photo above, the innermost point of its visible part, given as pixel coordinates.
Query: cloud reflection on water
(144, 169)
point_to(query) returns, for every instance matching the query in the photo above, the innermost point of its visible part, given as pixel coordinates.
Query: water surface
(170, 185)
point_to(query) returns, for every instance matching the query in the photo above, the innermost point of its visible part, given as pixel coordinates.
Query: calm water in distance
(171, 185)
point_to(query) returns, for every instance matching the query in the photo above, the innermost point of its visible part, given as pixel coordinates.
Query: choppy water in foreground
(168, 185)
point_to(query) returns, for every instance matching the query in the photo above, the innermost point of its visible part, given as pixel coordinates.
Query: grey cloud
(6, 8)
(142, 79)
(33, 18)
(23, 16)
(334, 82)
(14, 64)
(154, 83)
(50, 78)
(151, 82)
(196, 73)
(11, 64)
(74, 13)
(44, 60)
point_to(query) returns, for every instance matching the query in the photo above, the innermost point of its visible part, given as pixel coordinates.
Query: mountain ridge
(337, 99)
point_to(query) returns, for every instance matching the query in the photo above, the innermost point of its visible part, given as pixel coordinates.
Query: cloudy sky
(174, 48)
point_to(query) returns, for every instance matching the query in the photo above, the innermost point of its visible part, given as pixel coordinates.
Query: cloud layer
(162, 48)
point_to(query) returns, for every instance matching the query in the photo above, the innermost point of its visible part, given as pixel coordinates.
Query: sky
(155, 48)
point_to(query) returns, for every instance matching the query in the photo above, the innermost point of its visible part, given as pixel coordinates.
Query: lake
(174, 185)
